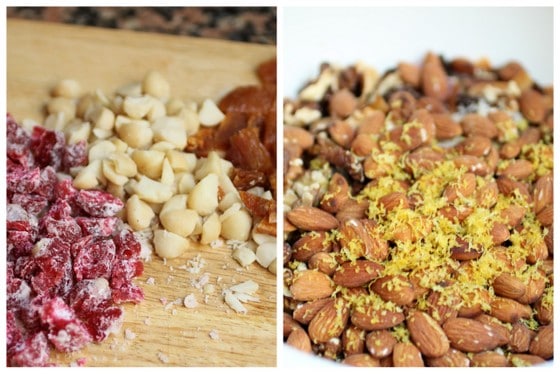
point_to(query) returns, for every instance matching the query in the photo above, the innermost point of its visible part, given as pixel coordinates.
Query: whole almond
(289, 324)
(363, 144)
(543, 193)
(342, 103)
(353, 341)
(473, 164)
(499, 329)
(342, 133)
(476, 124)
(423, 159)
(394, 200)
(532, 105)
(517, 169)
(469, 335)
(361, 360)
(544, 311)
(520, 338)
(356, 273)
(352, 209)
(309, 244)
(508, 285)
(370, 318)
(299, 340)
(464, 251)
(500, 233)
(338, 193)
(446, 127)
(546, 215)
(407, 355)
(305, 312)
(513, 215)
(522, 359)
(323, 262)
(542, 344)
(451, 358)
(380, 343)
(298, 135)
(310, 285)
(311, 219)
(373, 123)
(427, 334)
(508, 310)
(330, 322)
(362, 239)
(463, 187)
(441, 309)
(475, 145)
(434, 78)
(394, 288)
(509, 187)
(409, 73)
(534, 290)
(510, 149)
(489, 359)
(537, 252)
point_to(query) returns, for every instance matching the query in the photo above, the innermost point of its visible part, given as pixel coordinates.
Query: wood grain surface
(40, 54)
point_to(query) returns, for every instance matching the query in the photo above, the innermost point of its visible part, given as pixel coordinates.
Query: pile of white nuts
(135, 143)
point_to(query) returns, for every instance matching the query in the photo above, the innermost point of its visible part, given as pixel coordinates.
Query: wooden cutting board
(40, 54)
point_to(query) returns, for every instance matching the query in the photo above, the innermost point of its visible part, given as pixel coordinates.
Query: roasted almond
(532, 105)
(513, 215)
(542, 344)
(342, 103)
(446, 127)
(298, 135)
(356, 273)
(309, 244)
(305, 312)
(353, 340)
(546, 215)
(342, 133)
(534, 290)
(500, 233)
(407, 355)
(476, 124)
(363, 144)
(361, 360)
(394, 200)
(500, 330)
(361, 238)
(543, 193)
(520, 338)
(508, 285)
(475, 145)
(289, 325)
(464, 251)
(310, 285)
(440, 308)
(323, 262)
(299, 340)
(517, 169)
(473, 164)
(489, 359)
(427, 334)
(522, 359)
(409, 73)
(353, 209)
(469, 335)
(370, 318)
(338, 193)
(373, 123)
(380, 343)
(451, 358)
(508, 310)
(394, 288)
(311, 219)
(330, 322)
(433, 77)
(544, 311)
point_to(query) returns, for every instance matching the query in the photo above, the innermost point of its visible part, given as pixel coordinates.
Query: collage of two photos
(160, 161)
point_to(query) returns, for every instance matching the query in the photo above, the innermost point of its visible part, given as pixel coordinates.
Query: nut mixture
(418, 215)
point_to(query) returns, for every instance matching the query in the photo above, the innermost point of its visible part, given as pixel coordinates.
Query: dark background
(245, 24)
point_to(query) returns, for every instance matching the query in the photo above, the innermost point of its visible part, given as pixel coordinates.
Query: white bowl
(384, 36)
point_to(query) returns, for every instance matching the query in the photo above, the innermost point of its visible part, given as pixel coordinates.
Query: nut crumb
(129, 334)
(190, 301)
(214, 335)
(151, 281)
(163, 357)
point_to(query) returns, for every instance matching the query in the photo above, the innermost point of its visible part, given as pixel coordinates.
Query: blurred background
(244, 24)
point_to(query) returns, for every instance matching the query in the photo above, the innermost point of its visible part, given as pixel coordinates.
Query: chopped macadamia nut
(209, 114)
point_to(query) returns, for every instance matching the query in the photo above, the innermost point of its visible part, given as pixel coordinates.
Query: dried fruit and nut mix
(418, 215)
(106, 179)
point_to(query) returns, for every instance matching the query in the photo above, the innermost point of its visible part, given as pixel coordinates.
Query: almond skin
(489, 359)
(407, 355)
(426, 334)
(330, 322)
(542, 345)
(469, 335)
(361, 360)
(434, 78)
(311, 285)
(356, 273)
(508, 310)
(311, 219)
(380, 343)
(395, 288)
(451, 358)
(507, 285)
(369, 318)
(299, 340)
